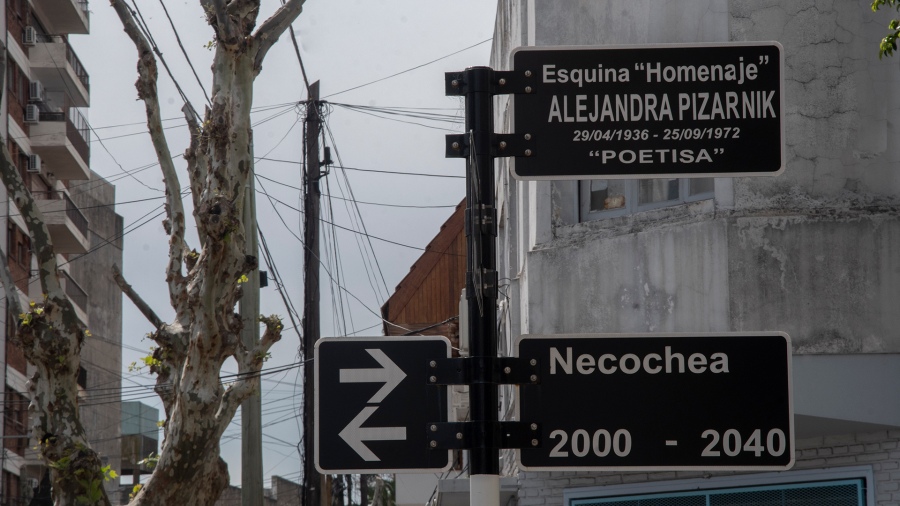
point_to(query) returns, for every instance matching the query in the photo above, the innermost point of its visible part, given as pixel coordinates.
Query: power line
(186, 57)
(409, 69)
(408, 206)
(343, 167)
(146, 31)
(357, 214)
(364, 234)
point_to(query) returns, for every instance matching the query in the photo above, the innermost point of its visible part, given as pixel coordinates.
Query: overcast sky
(344, 44)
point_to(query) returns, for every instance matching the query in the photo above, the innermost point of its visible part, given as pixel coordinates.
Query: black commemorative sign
(650, 111)
(659, 402)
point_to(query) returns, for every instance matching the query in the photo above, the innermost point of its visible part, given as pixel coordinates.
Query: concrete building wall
(875, 451)
(807, 252)
(811, 252)
(101, 355)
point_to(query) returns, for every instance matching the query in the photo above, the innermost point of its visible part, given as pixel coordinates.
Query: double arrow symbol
(354, 433)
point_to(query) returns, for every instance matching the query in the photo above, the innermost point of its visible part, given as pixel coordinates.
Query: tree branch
(195, 155)
(14, 305)
(136, 299)
(226, 29)
(272, 28)
(250, 362)
(174, 223)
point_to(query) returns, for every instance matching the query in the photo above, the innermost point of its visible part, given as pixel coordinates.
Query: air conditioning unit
(34, 163)
(36, 92)
(29, 38)
(32, 114)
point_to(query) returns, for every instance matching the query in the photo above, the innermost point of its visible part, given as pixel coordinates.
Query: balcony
(67, 226)
(64, 16)
(55, 64)
(78, 297)
(61, 140)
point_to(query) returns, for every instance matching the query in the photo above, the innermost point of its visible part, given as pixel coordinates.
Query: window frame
(864, 473)
(632, 194)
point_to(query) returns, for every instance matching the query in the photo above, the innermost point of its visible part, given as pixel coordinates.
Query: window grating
(833, 493)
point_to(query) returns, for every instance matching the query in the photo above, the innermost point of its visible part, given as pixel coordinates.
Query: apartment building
(45, 129)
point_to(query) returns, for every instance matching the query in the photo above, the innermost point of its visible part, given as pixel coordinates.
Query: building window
(20, 158)
(17, 85)
(12, 492)
(15, 422)
(15, 357)
(17, 17)
(609, 198)
(18, 245)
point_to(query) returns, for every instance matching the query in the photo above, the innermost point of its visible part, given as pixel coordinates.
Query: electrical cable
(358, 214)
(344, 167)
(184, 52)
(409, 69)
(145, 29)
(410, 206)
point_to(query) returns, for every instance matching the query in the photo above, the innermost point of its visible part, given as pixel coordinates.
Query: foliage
(889, 43)
(150, 461)
(134, 490)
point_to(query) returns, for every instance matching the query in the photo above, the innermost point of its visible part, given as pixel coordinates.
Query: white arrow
(389, 374)
(354, 434)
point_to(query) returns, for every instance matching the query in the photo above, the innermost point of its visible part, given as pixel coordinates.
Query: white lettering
(548, 74)
(648, 367)
(636, 363)
(556, 357)
(670, 356)
(697, 363)
(554, 110)
(601, 363)
(669, 362)
(585, 364)
(718, 363)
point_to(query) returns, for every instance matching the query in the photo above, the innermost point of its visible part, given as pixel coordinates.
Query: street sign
(659, 402)
(650, 111)
(373, 403)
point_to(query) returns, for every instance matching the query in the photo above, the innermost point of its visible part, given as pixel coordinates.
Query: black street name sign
(659, 402)
(650, 111)
(373, 403)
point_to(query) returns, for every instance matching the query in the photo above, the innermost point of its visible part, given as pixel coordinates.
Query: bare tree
(204, 286)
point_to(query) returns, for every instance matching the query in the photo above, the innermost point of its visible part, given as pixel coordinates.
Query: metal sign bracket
(502, 82)
(502, 145)
(462, 435)
(503, 370)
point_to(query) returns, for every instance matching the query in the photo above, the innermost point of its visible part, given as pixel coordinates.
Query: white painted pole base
(484, 490)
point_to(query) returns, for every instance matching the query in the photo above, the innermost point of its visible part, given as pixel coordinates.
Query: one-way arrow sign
(388, 373)
(354, 434)
(373, 402)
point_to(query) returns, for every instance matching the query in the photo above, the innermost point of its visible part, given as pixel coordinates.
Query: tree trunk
(205, 286)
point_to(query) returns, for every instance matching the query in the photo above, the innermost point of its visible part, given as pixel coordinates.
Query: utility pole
(312, 481)
(251, 409)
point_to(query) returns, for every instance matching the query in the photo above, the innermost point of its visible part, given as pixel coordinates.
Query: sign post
(701, 110)
(659, 402)
(586, 402)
